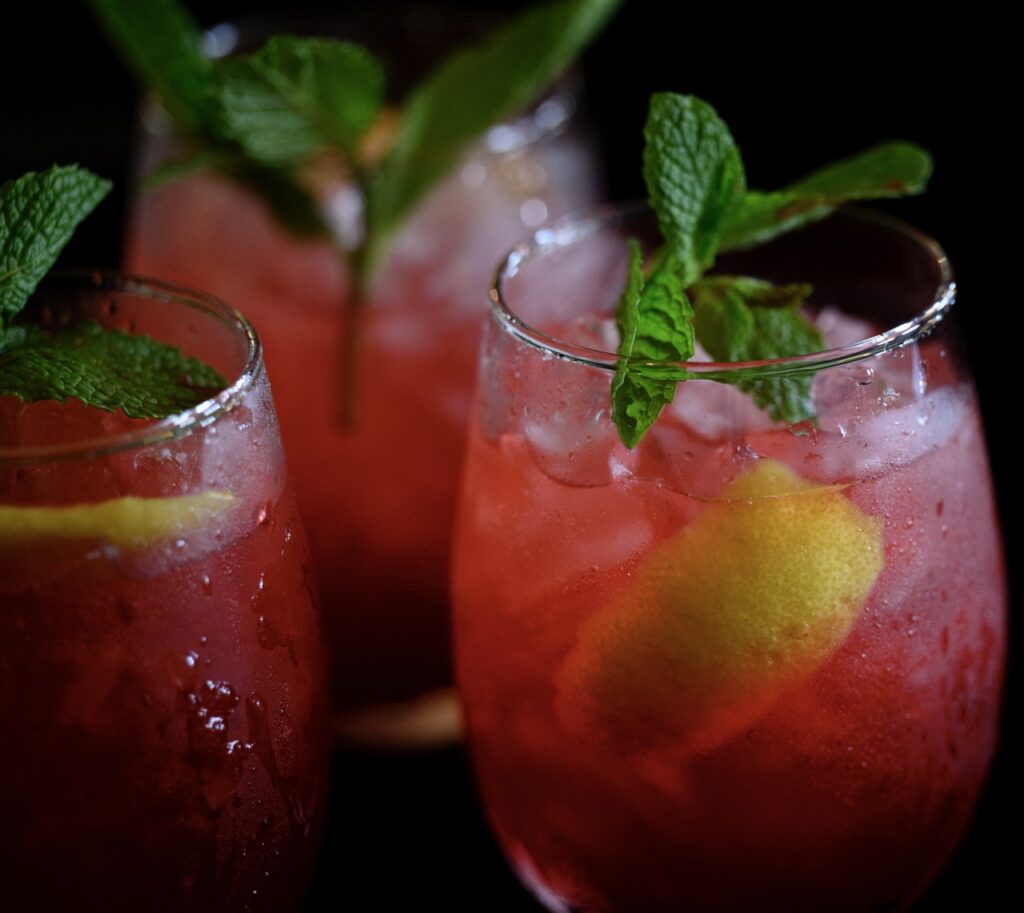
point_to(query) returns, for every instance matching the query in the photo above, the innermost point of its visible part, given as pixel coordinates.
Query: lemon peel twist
(749, 599)
(128, 522)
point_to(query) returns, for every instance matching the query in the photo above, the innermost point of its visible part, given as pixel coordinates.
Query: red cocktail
(377, 496)
(162, 678)
(742, 666)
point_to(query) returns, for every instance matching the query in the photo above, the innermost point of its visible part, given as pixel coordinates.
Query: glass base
(429, 721)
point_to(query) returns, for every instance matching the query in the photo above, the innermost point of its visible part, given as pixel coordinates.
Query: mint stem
(353, 306)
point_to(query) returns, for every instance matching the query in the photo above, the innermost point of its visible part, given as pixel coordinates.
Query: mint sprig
(104, 368)
(262, 118)
(296, 96)
(267, 114)
(162, 45)
(39, 213)
(696, 186)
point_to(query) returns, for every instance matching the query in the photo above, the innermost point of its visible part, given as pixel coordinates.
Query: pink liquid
(164, 700)
(378, 497)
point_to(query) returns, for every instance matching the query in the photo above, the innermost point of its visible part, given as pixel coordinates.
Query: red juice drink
(742, 666)
(162, 678)
(377, 497)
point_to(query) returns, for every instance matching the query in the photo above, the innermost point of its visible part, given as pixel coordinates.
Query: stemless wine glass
(743, 666)
(162, 677)
(377, 494)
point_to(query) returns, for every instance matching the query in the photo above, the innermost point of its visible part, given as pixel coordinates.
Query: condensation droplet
(474, 175)
(864, 376)
(533, 212)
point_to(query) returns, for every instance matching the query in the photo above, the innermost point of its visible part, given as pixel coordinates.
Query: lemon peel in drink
(127, 522)
(750, 598)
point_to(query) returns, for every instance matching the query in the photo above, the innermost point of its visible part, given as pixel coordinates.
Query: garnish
(262, 118)
(105, 368)
(697, 188)
(127, 522)
(721, 618)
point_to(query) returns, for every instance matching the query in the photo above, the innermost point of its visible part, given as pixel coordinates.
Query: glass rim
(546, 117)
(172, 427)
(575, 227)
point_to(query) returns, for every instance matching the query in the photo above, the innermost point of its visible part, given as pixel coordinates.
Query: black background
(798, 90)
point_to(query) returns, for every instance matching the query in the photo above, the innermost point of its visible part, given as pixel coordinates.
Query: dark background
(797, 92)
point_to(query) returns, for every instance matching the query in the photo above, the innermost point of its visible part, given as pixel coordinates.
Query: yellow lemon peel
(753, 596)
(123, 522)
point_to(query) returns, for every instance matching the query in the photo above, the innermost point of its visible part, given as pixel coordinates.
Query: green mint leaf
(694, 177)
(107, 369)
(722, 319)
(740, 319)
(297, 95)
(655, 325)
(38, 214)
(468, 93)
(888, 170)
(161, 43)
(294, 208)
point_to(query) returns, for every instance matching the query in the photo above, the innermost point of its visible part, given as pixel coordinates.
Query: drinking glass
(377, 493)
(162, 676)
(745, 665)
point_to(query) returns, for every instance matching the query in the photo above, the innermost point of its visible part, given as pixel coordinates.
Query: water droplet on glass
(864, 376)
(889, 398)
(533, 212)
(474, 175)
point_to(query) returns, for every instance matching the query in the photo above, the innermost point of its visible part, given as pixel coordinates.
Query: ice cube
(717, 411)
(841, 329)
(868, 442)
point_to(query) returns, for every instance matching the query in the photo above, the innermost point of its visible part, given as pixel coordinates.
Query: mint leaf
(722, 320)
(655, 325)
(161, 43)
(694, 177)
(470, 92)
(38, 214)
(888, 170)
(296, 95)
(289, 202)
(740, 319)
(107, 369)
